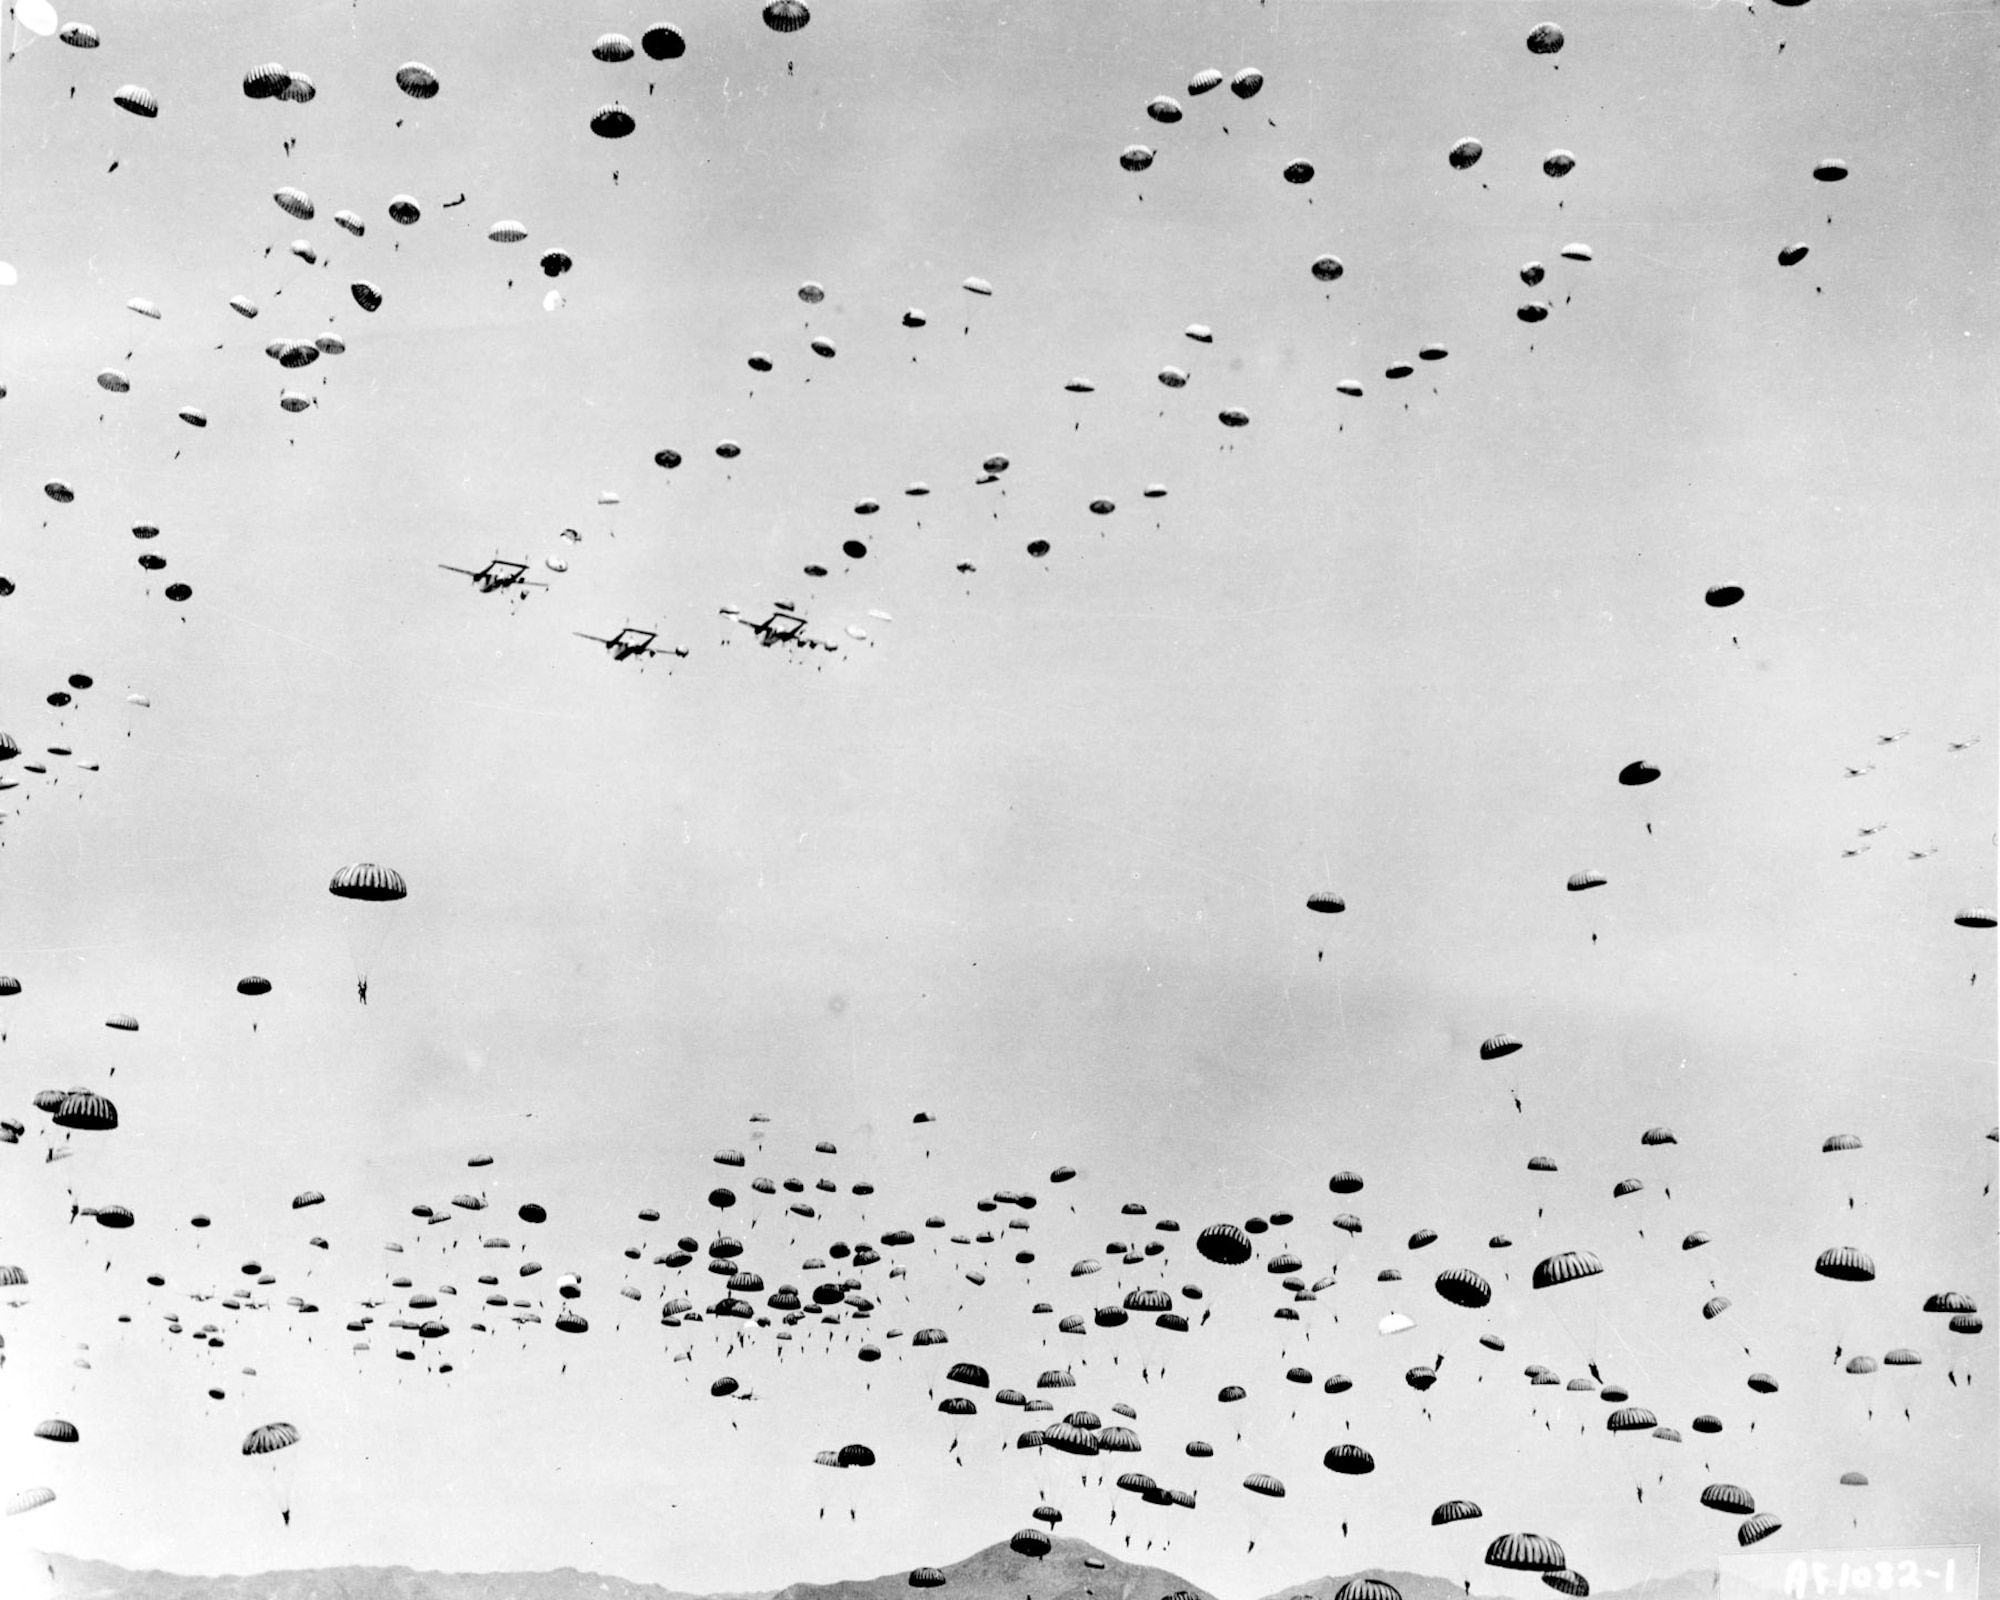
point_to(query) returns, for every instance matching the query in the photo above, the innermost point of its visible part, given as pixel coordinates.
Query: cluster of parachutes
(835, 1296)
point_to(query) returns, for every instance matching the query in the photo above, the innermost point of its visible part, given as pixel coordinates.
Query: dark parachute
(1526, 1552)
(366, 881)
(1224, 1244)
(1464, 1288)
(662, 43)
(612, 121)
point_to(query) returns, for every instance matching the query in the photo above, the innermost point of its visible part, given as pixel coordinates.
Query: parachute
(1567, 1267)
(366, 884)
(1846, 1264)
(366, 881)
(267, 1440)
(1526, 1552)
(612, 121)
(1465, 154)
(87, 1112)
(1224, 1244)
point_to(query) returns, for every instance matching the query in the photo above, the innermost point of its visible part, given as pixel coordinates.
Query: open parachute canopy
(366, 881)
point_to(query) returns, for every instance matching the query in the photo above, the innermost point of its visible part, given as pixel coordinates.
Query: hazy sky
(1033, 855)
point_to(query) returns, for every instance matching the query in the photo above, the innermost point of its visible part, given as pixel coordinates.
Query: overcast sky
(1032, 856)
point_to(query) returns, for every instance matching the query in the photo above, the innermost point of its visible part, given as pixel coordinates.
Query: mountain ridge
(1073, 1569)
